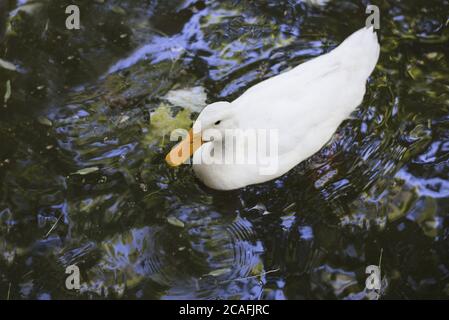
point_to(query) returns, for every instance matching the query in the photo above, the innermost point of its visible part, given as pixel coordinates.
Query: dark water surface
(84, 124)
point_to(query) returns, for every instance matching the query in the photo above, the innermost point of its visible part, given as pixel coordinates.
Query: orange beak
(184, 150)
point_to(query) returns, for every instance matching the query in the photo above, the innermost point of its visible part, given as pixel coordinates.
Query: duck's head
(214, 120)
(210, 125)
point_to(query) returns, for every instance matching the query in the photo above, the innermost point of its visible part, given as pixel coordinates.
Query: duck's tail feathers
(360, 51)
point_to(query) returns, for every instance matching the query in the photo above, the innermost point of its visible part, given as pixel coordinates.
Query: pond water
(85, 117)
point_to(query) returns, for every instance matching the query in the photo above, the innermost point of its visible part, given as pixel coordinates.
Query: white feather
(306, 105)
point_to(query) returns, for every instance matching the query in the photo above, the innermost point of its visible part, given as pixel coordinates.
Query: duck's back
(308, 103)
(305, 105)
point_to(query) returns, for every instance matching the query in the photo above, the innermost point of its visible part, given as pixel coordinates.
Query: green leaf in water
(163, 123)
(175, 222)
(414, 72)
(219, 272)
(7, 65)
(258, 269)
(8, 92)
(118, 10)
(86, 171)
(44, 121)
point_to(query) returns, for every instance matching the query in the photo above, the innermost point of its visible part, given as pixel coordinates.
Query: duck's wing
(307, 103)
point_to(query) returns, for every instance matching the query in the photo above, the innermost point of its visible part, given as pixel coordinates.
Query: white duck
(304, 105)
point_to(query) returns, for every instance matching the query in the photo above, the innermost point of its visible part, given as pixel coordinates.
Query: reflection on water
(86, 127)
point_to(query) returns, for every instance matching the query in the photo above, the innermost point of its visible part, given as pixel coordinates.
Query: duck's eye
(217, 123)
